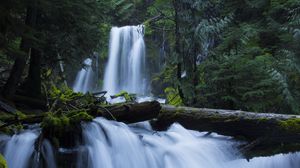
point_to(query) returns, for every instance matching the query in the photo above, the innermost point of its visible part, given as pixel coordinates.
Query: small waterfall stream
(84, 79)
(111, 144)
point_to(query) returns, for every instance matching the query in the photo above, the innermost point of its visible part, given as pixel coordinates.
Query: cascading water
(19, 149)
(84, 79)
(126, 65)
(111, 144)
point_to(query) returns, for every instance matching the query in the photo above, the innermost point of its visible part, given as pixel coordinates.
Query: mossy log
(265, 129)
(128, 113)
(251, 125)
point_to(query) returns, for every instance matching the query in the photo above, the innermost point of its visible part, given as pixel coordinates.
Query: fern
(285, 90)
(173, 97)
(212, 27)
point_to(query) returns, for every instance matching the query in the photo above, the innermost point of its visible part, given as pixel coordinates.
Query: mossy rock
(3, 163)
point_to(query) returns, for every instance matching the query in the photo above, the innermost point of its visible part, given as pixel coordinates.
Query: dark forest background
(232, 54)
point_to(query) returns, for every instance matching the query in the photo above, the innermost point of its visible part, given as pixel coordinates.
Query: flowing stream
(111, 144)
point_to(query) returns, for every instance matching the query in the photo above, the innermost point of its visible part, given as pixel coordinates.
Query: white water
(112, 144)
(125, 69)
(84, 79)
(19, 149)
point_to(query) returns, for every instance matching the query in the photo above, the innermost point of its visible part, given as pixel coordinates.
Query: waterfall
(125, 69)
(111, 144)
(84, 79)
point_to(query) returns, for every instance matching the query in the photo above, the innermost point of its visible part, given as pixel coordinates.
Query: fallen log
(269, 129)
(131, 113)
(266, 133)
(128, 113)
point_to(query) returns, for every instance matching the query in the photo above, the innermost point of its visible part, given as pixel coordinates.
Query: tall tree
(26, 43)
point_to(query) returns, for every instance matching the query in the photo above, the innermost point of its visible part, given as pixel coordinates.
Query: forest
(225, 67)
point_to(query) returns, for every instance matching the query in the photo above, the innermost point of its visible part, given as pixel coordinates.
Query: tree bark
(131, 113)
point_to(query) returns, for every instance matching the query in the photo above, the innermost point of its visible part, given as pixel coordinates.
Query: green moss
(292, 125)
(178, 111)
(2, 162)
(128, 97)
(61, 128)
(80, 116)
(262, 119)
(4, 116)
(55, 121)
(20, 115)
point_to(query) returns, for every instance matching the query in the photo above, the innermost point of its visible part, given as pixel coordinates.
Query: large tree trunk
(33, 83)
(19, 65)
(177, 48)
(277, 128)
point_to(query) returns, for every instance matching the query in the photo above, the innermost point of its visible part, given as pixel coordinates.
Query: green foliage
(2, 162)
(55, 122)
(76, 117)
(239, 82)
(173, 97)
(243, 55)
(164, 79)
(128, 97)
(64, 94)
